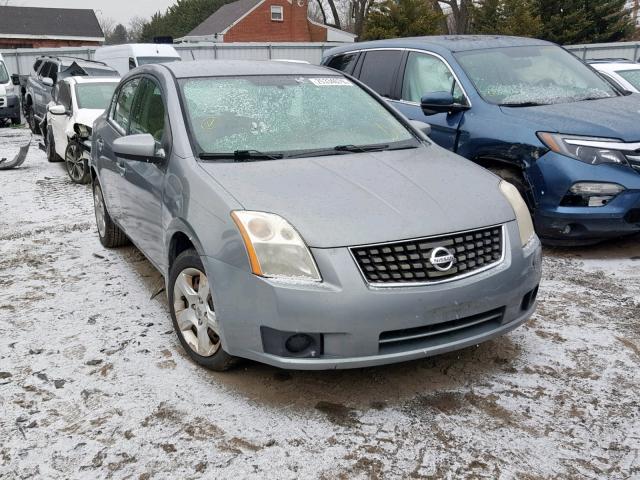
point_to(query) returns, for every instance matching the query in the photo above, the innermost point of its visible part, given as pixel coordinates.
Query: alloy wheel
(75, 163)
(195, 315)
(99, 207)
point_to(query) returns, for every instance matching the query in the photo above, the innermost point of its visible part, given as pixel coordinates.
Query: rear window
(148, 60)
(631, 76)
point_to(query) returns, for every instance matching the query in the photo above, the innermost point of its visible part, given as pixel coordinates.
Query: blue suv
(526, 109)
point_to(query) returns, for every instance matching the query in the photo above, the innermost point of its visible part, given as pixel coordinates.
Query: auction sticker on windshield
(331, 82)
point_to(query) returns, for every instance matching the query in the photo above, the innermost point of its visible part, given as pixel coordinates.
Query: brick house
(29, 27)
(265, 21)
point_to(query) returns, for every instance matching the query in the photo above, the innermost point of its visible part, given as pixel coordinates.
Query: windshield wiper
(241, 156)
(361, 148)
(523, 104)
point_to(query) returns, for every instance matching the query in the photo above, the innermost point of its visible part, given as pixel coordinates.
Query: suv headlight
(274, 247)
(523, 217)
(592, 150)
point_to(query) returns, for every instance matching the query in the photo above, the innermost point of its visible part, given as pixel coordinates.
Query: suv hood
(86, 116)
(363, 198)
(616, 117)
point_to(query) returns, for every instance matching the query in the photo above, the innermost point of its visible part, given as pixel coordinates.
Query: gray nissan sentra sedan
(300, 221)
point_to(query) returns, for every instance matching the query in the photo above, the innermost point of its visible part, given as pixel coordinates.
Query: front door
(423, 74)
(110, 168)
(141, 195)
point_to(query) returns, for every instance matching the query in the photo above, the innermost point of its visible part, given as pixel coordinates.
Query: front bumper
(558, 173)
(9, 107)
(351, 316)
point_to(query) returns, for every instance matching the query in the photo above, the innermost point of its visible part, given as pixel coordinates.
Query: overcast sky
(120, 10)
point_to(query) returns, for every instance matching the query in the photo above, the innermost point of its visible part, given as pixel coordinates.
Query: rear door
(111, 170)
(143, 186)
(425, 73)
(379, 70)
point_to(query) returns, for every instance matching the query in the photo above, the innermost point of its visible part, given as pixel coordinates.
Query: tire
(31, 120)
(16, 121)
(50, 145)
(514, 177)
(198, 324)
(110, 234)
(77, 166)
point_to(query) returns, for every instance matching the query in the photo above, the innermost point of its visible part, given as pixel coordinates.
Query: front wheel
(110, 234)
(31, 120)
(77, 165)
(193, 313)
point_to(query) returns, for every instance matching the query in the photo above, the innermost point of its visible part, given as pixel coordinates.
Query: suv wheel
(77, 166)
(110, 234)
(193, 313)
(31, 120)
(50, 144)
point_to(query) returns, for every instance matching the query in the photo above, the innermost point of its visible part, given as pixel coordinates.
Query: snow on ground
(94, 384)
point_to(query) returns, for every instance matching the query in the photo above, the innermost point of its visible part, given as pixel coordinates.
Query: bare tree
(107, 25)
(136, 25)
(458, 18)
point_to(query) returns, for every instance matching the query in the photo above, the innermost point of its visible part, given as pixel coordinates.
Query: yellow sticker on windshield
(331, 82)
(208, 123)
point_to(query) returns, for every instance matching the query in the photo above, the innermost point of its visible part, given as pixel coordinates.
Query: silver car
(300, 221)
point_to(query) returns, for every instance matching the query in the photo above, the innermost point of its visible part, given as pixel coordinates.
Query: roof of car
(85, 79)
(614, 66)
(450, 43)
(230, 68)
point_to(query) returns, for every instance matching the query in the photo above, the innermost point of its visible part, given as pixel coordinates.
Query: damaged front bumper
(16, 144)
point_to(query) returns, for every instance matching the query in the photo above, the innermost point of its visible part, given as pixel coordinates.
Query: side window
(64, 94)
(53, 73)
(132, 63)
(37, 65)
(44, 71)
(122, 109)
(425, 74)
(148, 115)
(344, 63)
(379, 70)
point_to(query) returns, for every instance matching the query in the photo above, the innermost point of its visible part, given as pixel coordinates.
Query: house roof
(223, 18)
(30, 22)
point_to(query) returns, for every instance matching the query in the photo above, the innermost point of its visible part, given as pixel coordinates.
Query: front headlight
(10, 89)
(592, 150)
(274, 247)
(523, 217)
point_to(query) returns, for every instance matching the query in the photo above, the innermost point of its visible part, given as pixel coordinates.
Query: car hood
(86, 116)
(616, 117)
(356, 199)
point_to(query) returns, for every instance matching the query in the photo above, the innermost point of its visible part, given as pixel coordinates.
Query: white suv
(77, 102)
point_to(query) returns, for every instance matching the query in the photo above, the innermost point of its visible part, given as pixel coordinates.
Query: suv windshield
(631, 76)
(95, 95)
(4, 76)
(532, 75)
(288, 114)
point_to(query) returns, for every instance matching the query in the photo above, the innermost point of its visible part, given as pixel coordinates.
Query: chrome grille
(409, 262)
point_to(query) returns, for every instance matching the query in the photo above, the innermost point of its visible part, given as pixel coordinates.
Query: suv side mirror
(440, 102)
(57, 110)
(47, 81)
(141, 148)
(15, 79)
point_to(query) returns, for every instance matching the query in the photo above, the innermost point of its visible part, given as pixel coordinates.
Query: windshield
(4, 76)
(95, 95)
(148, 60)
(286, 114)
(532, 75)
(631, 76)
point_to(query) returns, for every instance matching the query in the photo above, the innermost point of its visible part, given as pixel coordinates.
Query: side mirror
(57, 110)
(440, 102)
(422, 127)
(15, 79)
(141, 148)
(47, 81)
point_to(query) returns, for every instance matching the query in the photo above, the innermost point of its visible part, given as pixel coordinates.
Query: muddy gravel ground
(94, 384)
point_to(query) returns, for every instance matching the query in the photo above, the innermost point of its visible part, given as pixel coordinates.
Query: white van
(9, 97)
(129, 56)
